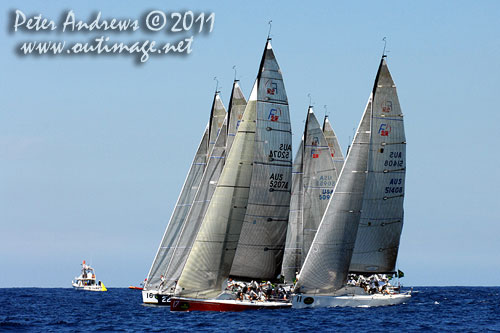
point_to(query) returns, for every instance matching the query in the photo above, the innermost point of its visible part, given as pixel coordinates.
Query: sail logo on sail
(315, 141)
(387, 106)
(384, 129)
(274, 114)
(315, 153)
(240, 116)
(271, 87)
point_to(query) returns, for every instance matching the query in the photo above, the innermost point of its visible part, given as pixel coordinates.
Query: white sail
(327, 262)
(191, 184)
(206, 190)
(333, 143)
(292, 258)
(381, 221)
(237, 106)
(211, 256)
(314, 177)
(319, 178)
(181, 210)
(217, 116)
(197, 212)
(261, 245)
(250, 172)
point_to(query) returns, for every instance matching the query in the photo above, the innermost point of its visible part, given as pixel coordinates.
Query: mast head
(269, 32)
(235, 79)
(217, 91)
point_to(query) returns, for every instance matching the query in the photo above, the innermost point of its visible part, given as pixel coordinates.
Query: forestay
(261, 245)
(381, 221)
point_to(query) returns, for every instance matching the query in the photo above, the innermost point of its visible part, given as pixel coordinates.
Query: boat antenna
(234, 68)
(270, 26)
(326, 111)
(385, 45)
(217, 85)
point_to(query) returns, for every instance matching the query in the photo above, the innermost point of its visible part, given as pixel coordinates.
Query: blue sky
(94, 149)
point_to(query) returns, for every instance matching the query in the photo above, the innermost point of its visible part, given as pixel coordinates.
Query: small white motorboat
(87, 280)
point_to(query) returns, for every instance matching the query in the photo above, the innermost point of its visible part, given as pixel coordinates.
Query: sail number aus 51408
(395, 159)
(394, 163)
(394, 188)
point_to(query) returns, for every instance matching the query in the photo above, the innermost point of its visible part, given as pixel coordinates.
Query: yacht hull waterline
(192, 304)
(302, 301)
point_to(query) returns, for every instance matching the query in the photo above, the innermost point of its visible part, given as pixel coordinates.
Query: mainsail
(314, 177)
(333, 143)
(186, 197)
(292, 258)
(206, 189)
(319, 178)
(381, 221)
(217, 116)
(197, 212)
(327, 262)
(237, 106)
(212, 254)
(248, 163)
(261, 245)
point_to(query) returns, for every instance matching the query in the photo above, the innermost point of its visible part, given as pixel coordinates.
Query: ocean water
(119, 309)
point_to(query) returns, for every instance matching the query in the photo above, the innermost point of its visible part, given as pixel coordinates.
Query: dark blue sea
(431, 308)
